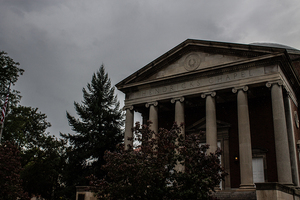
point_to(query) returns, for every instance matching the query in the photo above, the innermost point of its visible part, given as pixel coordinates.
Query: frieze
(197, 83)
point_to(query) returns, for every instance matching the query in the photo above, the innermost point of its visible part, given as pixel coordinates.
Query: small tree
(10, 167)
(148, 170)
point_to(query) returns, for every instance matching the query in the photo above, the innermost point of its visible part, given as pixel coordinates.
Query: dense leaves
(10, 167)
(42, 154)
(149, 170)
(43, 166)
(25, 126)
(9, 69)
(98, 129)
(9, 73)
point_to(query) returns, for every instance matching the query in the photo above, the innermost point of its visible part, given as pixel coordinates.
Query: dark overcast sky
(61, 43)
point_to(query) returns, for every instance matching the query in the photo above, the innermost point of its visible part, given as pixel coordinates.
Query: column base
(286, 183)
(247, 186)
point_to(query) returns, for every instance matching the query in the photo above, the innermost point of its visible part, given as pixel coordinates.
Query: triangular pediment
(195, 61)
(196, 56)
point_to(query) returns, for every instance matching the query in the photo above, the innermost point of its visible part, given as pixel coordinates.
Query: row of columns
(245, 149)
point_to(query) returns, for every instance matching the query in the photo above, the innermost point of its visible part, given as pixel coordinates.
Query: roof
(277, 45)
(254, 49)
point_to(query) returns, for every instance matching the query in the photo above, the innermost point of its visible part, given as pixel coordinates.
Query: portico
(208, 84)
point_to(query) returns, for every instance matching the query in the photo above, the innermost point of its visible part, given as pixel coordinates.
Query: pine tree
(97, 130)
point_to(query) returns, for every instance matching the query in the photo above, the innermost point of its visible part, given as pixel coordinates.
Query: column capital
(128, 107)
(181, 99)
(244, 88)
(212, 94)
(154, 103)
(270, 83)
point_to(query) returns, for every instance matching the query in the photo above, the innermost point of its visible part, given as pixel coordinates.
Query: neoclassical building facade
(244, 97)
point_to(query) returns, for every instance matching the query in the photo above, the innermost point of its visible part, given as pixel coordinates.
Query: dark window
(81, 196)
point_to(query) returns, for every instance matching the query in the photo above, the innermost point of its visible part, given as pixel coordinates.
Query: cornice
(290, 73)
(210, 71)
(189, 44)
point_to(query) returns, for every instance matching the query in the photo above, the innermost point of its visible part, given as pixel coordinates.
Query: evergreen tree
(97, 130)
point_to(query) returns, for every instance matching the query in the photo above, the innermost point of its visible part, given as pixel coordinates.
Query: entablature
(201, 84)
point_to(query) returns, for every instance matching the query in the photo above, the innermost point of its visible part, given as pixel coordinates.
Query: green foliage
(43, 156)
(149, 170)
(9, 69)
(10, 167)
(9, 73)
(98, 129)
(43, 165)
(25, 126)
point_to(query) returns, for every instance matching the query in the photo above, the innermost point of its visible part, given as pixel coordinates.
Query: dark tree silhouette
(10, 167)
(98, 128)
(148, 171)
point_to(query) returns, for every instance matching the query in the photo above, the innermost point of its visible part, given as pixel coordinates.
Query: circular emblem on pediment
(192, 62)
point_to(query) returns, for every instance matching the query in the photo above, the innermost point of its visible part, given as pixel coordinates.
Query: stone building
(243, 96)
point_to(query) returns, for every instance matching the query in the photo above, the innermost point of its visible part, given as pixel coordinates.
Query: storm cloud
(60, 44)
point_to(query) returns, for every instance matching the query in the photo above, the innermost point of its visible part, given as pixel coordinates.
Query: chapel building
(244, 97)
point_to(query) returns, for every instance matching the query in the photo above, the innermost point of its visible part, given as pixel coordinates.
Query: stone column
(128, 126)
(291, 138)
(280, 133)
(153, 115)
(226, 160)
(211, 121)
(179, 112)
(179, 119)
(244, 138)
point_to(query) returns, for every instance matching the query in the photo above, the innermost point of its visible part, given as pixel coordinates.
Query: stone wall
(276, 191)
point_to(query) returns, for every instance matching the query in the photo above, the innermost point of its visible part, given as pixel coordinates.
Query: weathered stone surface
(235, 195)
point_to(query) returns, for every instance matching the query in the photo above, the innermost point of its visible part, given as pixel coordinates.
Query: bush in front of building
(163, 165)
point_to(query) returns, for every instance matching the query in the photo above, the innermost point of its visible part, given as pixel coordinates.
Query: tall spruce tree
(98, 128)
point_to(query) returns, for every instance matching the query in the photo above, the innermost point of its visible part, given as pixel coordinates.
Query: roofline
(239, 63)
(203, 43)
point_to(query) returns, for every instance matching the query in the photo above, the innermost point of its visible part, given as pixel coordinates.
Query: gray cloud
(60, 44)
